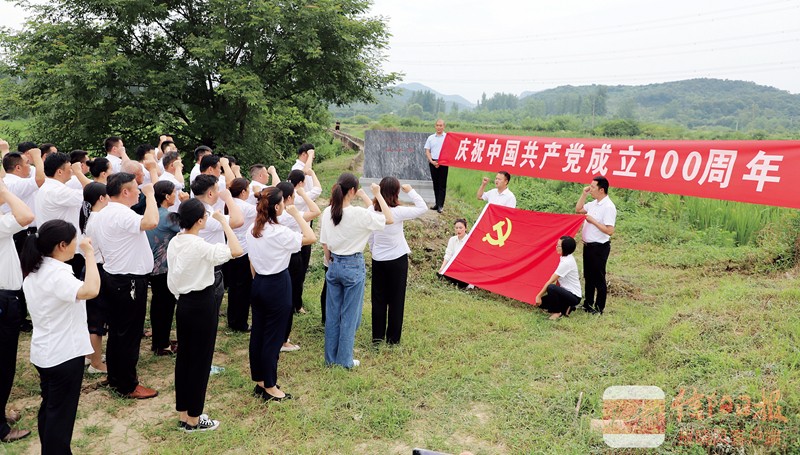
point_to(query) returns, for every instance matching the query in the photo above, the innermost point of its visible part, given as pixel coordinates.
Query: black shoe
(435, 207)
(26, 326)
(440, 209)
(260, 392)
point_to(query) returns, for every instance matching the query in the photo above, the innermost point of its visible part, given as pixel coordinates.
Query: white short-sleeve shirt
(57, 201)
(434, 144)
(10, 272)
(603, 211)
(270, 253)
(506, 198)
(351, 234)
(116, 163)
(116, 230)
(60, 332)
(567, 272)
(249, 211)
(191, 261)
(23, 188)
(390, 243)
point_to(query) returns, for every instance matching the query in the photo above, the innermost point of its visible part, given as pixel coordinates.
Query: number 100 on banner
(759, 172)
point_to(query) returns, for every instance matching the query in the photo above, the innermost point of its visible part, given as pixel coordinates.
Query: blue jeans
(343, 304)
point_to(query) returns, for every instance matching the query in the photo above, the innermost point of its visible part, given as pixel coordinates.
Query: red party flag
(512, 252)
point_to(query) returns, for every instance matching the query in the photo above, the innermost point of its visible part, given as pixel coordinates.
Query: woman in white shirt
(562, 292)
(237, 272)
(271, 246)
(190, 276)
(390, 262)
(344, 232)
(60, 340)
(454, 245)
(95, 198)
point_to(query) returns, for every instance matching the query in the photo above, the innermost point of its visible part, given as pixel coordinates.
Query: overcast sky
(469, 47)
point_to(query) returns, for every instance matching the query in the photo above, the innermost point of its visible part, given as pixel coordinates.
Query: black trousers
(239, 280)
(77, 263)
(19, 242)
(197, 319)
(305, 253)
(219, 286)
(61, 390)
(162, 311)
(324, 294)
(595, 256)
(459, 283)
(439, 178)
(10, 317)
(272, 307)
(388, 297)
(558, 299)
(297, 277)
(97, 310)
(127, 307)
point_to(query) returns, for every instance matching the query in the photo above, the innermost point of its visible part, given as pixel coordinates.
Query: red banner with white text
(512, 252)
(759, 172)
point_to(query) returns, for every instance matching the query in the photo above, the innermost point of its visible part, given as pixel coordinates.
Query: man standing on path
(601, 216)
(433, 146)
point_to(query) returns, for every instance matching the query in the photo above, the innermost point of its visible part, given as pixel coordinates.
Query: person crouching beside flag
(562, 292)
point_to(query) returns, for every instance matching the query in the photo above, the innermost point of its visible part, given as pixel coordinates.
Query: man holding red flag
(601, 216)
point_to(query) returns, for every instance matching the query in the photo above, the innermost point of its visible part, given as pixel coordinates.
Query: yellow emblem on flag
(501, 234)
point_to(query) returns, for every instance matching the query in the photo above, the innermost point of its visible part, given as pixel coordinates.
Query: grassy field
(483, 373)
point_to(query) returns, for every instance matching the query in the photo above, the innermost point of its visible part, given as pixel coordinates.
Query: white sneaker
(292, 348)
(203, 424)
(356, 363)
(93, 370)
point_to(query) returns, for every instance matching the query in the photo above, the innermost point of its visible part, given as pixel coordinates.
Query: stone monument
(397, 154)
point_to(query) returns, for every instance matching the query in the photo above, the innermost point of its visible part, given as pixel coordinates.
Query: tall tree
(253, 77)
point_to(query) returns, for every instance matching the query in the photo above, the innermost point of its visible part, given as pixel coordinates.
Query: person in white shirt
(57, 302)
(562, 292)
(220, 168)
(500, 195)
(173, 172)
(56, 201)
(206, 189)
(100, 169)
(433, 147)
(271, 245)
(454, 245)
(390, 262)
(95, 198)
(190, 276)
(260, 175)
(11, 311)
(145, 154)
(237, 271)
(297, 271)
(119, 234)
(115, 152)
(601, 216)
(344, 231)
(199, 153)
(78, 156)
(305, 160)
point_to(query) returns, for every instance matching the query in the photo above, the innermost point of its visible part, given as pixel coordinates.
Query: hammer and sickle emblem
(501, 235)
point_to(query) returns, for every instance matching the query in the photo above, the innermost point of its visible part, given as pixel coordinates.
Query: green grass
(476, 371)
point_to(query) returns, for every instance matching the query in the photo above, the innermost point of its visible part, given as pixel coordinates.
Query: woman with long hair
(190, 276)
(95, 198)
(162, 303)
(271, 246)
(390, 262)
(60, 340)
(296, 262)
(344, 232)
(562, 292)
(238, 277)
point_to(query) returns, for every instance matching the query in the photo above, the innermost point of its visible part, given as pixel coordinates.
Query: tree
(251, 77)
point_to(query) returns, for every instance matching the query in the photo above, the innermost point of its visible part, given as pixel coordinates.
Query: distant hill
(693, 103)
(449, 99)
(398, 102)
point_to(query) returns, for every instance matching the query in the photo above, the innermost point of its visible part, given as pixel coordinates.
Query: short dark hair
(255, 168)
(506, 175)
(116, 181)
(45, 148)
(201, 150)
(202, 183)
(237, 186)
(602, 183)
(297, 176)
(23, 147)
(304, 148)
(142, 150)
(110, 143)
(567, 245)
(190, 212)
(53, 163)
(77, 156)
(208, 161)
(286, 188)
(170, 158)
(13, 160)
(165, 144)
